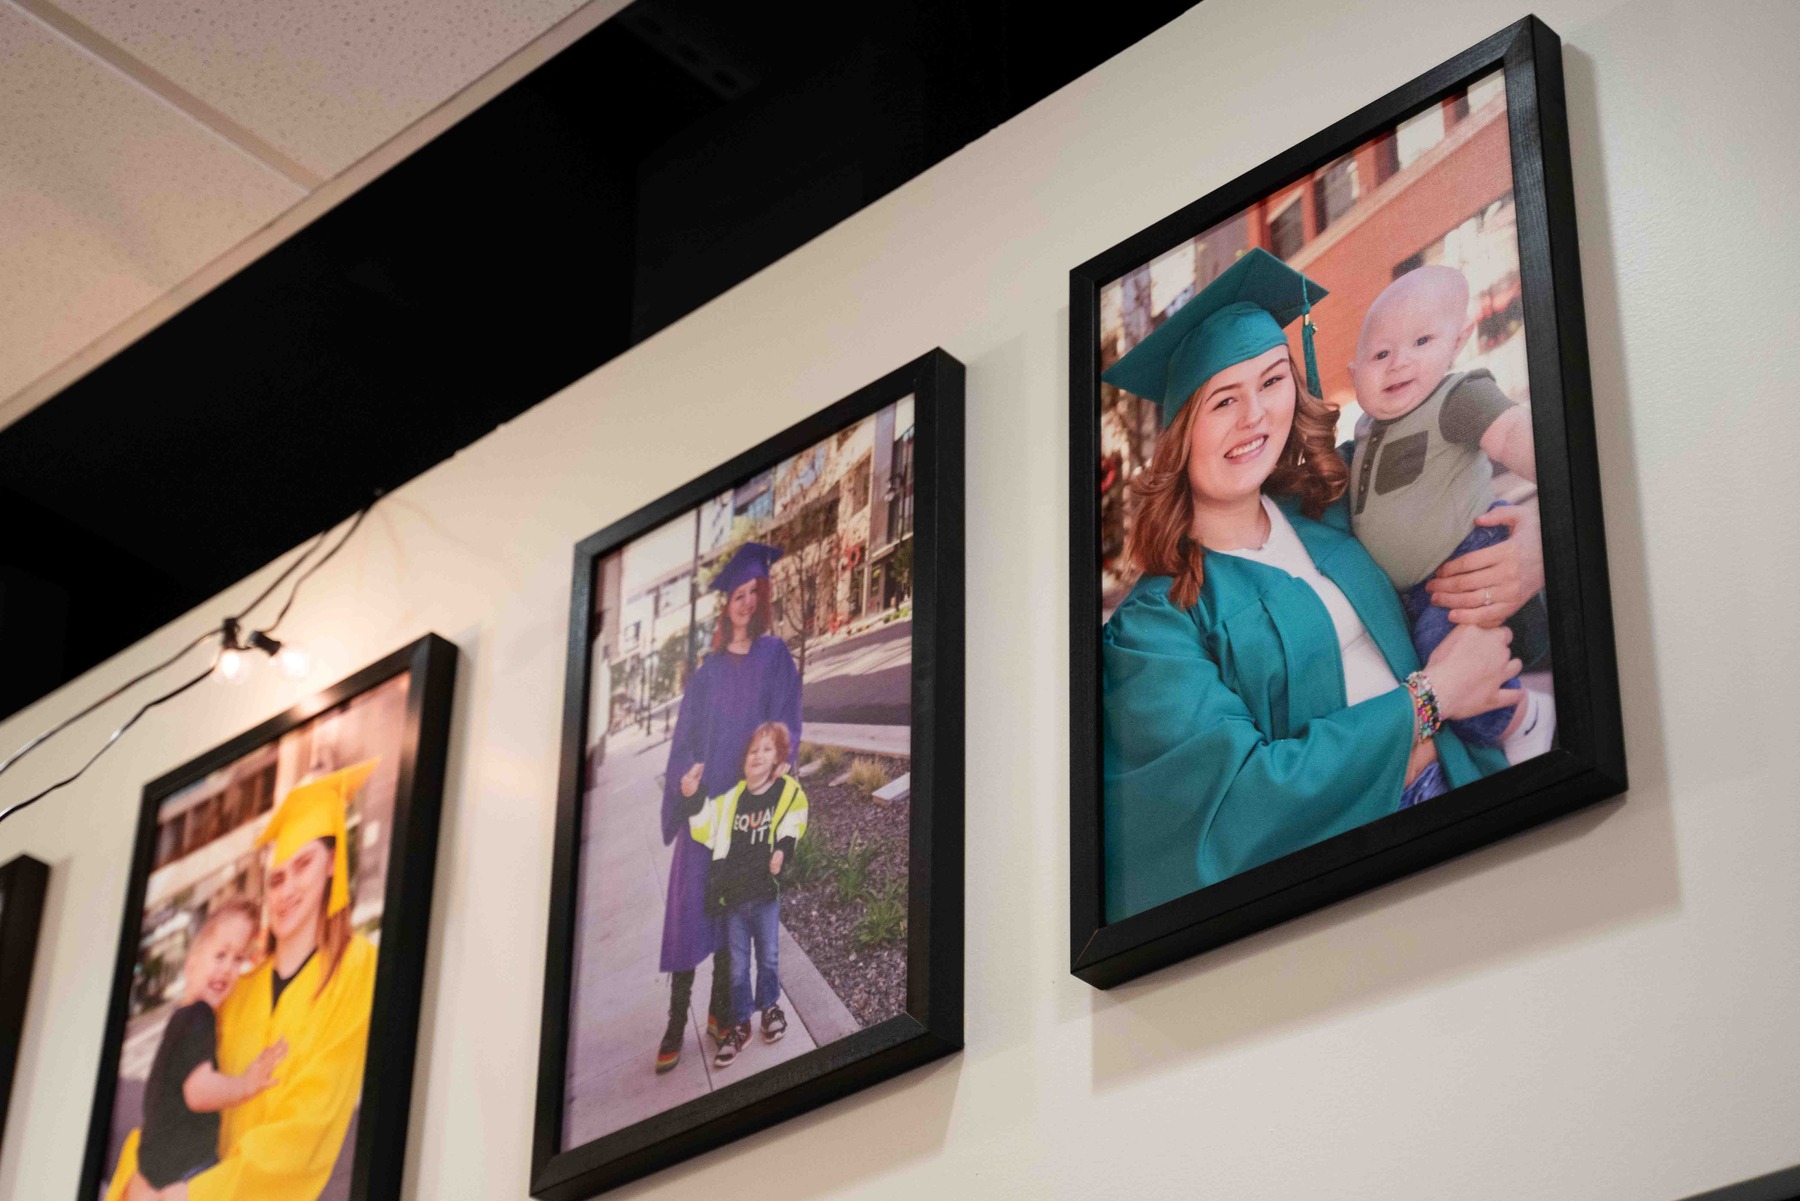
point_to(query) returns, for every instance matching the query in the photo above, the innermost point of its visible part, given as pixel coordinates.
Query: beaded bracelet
(1426, 718)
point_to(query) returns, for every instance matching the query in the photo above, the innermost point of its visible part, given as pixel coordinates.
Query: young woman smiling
(313, 992)
(1260, 691)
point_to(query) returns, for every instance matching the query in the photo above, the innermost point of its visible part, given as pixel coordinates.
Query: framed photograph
(1340, 605)
(22, 883)
(265, 1000)
(756, 904)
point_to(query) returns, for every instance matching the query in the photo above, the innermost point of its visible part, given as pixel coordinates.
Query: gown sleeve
(1195, 791)
(784, 696)
(686, 748)
(128, 1166)
(289, 1154)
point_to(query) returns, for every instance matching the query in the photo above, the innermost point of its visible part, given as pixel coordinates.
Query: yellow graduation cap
(316, 810)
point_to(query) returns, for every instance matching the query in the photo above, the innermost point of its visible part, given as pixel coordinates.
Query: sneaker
(669, 1053)
(714, 1031)
(774, 1024)
(733, 1042)
(1537, 730)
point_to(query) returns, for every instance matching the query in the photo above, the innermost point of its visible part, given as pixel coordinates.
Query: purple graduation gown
(727, 698)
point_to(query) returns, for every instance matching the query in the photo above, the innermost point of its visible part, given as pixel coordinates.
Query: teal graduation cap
(1238, 316)
(751, 562)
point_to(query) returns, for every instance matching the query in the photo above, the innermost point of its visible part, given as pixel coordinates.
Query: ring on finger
(1487, 596)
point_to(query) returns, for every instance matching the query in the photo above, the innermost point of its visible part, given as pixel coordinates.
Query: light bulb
(232, 665)
(293, 661)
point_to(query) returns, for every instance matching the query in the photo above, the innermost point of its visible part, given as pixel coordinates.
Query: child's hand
(775, 863)
(690, 783)
(261, 1072)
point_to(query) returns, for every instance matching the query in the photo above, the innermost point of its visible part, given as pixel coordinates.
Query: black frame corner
(23, 882)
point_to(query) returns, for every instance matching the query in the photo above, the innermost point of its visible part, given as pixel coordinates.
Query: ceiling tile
(324, 81)
(108, 198)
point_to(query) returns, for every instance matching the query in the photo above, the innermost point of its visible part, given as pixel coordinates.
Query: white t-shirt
(1366, 673)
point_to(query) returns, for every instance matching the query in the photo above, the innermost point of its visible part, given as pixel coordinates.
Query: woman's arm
(685, 750)
(1487, 586)
(1194, 785)
(786, 706)
(1188, 771)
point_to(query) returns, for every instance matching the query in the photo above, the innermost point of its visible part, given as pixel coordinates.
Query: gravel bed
(870, 980)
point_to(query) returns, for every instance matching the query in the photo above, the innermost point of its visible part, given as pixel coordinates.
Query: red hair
(1160, 541)
(777, 731)
(761, 621)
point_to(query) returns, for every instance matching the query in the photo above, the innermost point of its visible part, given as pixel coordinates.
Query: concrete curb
(817, 1007)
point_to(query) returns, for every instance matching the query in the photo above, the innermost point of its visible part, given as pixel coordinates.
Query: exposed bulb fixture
(294, 661)
(231, 661)
(291, 659)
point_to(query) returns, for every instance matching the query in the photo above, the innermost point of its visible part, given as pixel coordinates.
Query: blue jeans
(755, 922)
(1431, 625)
(1428, 784)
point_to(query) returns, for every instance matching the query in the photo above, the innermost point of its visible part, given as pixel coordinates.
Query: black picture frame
(385, 1107)
(1589, 763)
(23, 881)
(931, 1025)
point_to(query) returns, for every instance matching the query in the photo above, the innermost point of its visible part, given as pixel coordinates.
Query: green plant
(832, 761)
(808, 752)
(884, 920)
(853, 869)
(868, 774)
(812, 858)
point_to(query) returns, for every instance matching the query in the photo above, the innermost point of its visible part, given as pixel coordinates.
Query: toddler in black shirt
(186, 1090)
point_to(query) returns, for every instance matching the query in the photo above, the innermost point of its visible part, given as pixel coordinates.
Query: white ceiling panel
(323, 81)
(108, 197)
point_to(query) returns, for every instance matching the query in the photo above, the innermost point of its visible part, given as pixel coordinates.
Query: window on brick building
(1334, 192)
(1287, 232)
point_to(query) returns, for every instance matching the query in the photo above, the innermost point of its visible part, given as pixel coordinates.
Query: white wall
(1604, 1008)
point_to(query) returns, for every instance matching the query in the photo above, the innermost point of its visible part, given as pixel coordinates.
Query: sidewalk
(875, 740)
(620, 998)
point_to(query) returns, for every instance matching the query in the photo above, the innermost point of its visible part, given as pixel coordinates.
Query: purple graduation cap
(751, 562)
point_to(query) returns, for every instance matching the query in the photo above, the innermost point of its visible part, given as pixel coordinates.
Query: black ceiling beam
(665, 157)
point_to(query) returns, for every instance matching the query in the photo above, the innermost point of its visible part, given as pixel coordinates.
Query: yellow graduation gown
(282, 1144)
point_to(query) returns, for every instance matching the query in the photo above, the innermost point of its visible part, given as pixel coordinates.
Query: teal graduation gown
(1227, 741)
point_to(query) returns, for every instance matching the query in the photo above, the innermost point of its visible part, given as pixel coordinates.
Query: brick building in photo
(841, 511)
(1437, 188)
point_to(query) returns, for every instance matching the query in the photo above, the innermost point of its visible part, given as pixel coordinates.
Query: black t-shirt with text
(743, 875)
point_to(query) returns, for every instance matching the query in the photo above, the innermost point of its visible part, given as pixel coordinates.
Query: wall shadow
(877, 1131)
(1607, 867)
(468, 644)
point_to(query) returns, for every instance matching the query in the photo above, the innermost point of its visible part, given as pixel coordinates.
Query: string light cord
(290, 569)
(329, 555)
(227, 632)
(108, 744)
(218, 631)
(115, 694)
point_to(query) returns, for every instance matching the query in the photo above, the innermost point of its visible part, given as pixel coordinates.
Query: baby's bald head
(1424, 291)
(1409, 338)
